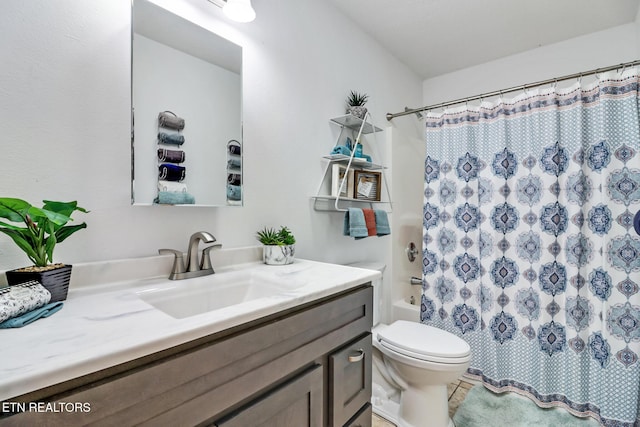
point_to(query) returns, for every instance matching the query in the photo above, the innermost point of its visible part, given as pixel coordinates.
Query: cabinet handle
(357, 357)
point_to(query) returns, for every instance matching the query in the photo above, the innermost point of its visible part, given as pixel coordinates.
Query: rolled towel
(382, 222)
(234, 163)
(32, 316)
(370, 221)
(234, 147)
(19, 299)
(172, 156)
(354, 224)
(175, 198)
(234, 192)
(177, 187)
(167, 119)
(234, 179)
(171, 172)
(170, 138)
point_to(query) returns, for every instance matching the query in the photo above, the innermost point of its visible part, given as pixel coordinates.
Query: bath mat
(482, 408)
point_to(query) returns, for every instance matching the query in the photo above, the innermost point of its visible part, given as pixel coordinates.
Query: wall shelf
(339, 195)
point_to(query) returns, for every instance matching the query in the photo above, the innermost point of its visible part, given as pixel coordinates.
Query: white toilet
(412, 365)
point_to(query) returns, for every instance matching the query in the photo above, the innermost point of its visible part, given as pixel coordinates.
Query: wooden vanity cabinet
(307, 366)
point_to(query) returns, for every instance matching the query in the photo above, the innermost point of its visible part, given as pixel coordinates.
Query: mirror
(186, 139)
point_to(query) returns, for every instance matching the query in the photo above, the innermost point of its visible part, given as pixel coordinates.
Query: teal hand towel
(354, 224)
(32, 316)
(175, 198)
(382, 222)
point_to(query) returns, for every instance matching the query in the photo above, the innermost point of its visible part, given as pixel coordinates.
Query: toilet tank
(377, 286)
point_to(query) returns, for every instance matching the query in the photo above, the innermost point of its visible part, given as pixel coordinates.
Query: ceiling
(434, 37)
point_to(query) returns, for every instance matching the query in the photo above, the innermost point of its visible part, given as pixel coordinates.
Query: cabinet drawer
(298, 403)
(363, 419)
(350, 380)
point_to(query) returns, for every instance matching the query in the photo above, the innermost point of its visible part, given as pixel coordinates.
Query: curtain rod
(408, 111)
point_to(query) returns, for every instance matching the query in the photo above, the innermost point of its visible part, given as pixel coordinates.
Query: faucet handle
(205, 263)
(178, 262)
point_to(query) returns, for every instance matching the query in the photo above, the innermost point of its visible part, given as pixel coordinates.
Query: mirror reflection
(187, 112)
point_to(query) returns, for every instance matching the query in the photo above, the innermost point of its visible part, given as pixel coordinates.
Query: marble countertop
(107, 324)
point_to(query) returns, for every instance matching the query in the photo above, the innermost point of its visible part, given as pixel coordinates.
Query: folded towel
(234, 192)
(170, 138)
(234, 179)
(341, 149)
(173, 156)
(170, 172)
(370, 221)
(32, 316)
(382, 222)
(174, 198)
(19, 299)
(234, 163)
(177, 187)
(354, 224)
(167, 119)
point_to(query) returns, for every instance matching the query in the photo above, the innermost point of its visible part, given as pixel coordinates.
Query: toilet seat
(423, 342)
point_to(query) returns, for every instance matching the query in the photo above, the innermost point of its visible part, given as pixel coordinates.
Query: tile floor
(457, 392)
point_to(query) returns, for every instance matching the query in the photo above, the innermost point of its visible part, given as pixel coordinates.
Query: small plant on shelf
(356, 102)
(279, 246)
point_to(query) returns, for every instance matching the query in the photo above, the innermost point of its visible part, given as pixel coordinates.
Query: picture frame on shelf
(337, 174)
(367, 185)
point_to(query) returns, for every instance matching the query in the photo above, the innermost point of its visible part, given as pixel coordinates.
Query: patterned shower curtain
(529, 251)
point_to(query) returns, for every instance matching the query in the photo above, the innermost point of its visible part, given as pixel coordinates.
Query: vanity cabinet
(306, 366)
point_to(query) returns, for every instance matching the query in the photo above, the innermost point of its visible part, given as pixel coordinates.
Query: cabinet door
(363, 419)
(350, 380)
(298, 402)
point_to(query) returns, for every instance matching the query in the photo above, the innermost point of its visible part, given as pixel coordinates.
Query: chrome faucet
(194, 267)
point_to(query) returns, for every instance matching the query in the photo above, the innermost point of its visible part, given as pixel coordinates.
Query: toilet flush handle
(357, 356)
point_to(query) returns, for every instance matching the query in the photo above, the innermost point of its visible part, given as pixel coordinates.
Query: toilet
(412, 365)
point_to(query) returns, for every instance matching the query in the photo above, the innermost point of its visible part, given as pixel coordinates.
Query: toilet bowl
(420, 361)
(412, 365)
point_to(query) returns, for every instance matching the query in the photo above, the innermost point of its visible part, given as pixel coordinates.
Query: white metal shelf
(325, 202)
(355, 123)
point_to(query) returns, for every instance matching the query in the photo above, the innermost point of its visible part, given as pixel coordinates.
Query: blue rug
(482, 408)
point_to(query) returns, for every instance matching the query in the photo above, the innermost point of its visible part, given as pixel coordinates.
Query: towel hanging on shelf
(234, 147)
(171, 172)
(171, 156)
(354, 224)
(170, 138)
(170, 120)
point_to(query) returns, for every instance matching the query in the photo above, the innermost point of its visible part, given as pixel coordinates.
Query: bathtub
(402, 309)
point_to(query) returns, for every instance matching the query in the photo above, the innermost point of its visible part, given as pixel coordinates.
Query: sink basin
(189, 297)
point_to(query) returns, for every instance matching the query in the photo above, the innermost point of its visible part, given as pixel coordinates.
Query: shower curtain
(529, 249)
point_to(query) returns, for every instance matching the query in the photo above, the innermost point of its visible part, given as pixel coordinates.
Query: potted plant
(355, 104)
(279, 246)
(39, 231)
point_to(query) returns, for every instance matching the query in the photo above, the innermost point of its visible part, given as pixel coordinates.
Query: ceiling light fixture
(239, 10)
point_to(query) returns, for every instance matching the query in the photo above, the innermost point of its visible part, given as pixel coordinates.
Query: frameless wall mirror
(186, 139)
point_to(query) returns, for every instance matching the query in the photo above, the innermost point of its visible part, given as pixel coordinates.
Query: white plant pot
(278, 255)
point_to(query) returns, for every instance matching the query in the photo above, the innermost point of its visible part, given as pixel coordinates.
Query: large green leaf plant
(42, 228)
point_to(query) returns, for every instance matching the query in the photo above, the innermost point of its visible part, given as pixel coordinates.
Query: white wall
(600, 49)
(65, 114)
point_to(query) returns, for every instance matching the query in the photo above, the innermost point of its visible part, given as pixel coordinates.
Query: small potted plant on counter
(279, 246)
(355, 104)
(42, 229)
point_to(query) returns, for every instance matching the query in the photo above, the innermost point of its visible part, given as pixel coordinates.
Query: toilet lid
(419, 339)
